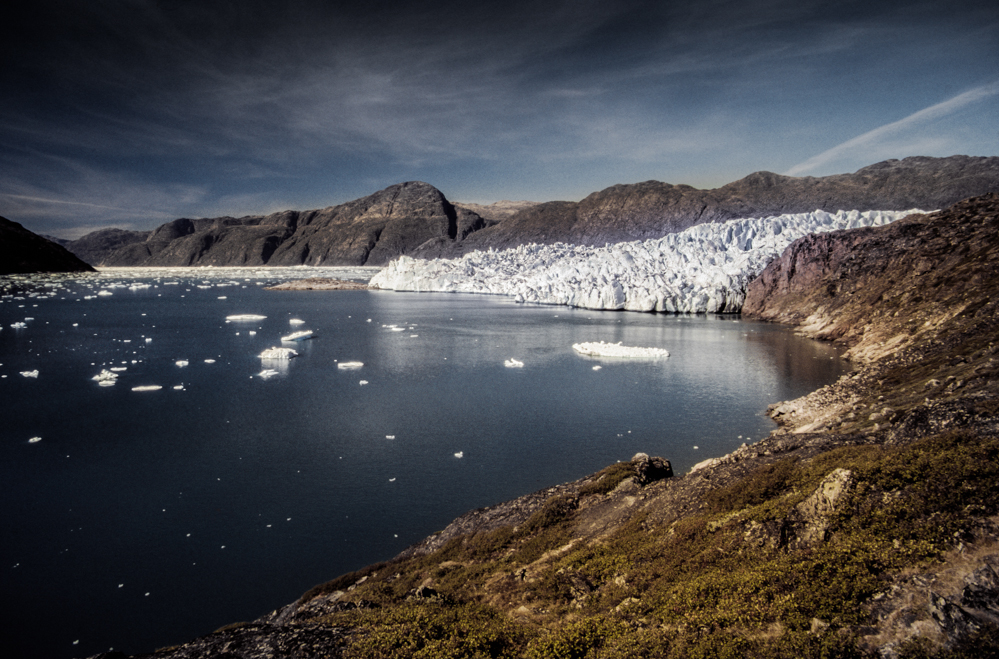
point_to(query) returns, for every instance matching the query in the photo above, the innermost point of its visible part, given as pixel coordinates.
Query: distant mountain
(22, 251)
(416, 219)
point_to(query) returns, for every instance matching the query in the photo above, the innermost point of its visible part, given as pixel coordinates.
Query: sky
(131, 113)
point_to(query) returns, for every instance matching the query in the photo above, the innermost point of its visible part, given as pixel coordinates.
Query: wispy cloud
(863, 144)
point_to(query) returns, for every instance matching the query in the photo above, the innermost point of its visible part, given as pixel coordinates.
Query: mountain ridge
(416, 219)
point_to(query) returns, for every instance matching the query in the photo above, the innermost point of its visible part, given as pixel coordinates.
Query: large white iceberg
(601, 349)
(703, 269)
(278, 353)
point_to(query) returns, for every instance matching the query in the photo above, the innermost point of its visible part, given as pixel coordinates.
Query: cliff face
(867, 524)
(22, 251)
(417, 220)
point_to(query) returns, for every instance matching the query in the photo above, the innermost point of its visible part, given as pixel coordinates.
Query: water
(143, 519)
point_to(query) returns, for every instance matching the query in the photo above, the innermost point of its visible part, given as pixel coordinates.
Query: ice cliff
(705, 268)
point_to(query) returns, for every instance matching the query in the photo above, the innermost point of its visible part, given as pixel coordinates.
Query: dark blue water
(143, 519)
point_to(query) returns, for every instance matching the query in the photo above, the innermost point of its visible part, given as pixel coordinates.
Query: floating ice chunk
(223, 297)
(178, 387)
(209, 361)
(105, 293)
(513, 363)
(597, 367)
(18, 325)
(299, 336)
(278, 353)
(149, 339)
(245, 316)
(391, 480)
(296, 321)
(148, 387)
(459, 454)
(181, 362)
(349, 366)
(267, 373)
(105, 378)
(137, 287)
(252, 333)
(363, 382)
(118, 369)
(34, 440)
(601, 349)
(30, 374)
(389, 436)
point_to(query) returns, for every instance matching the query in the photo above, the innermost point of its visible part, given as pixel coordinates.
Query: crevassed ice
(703, 269)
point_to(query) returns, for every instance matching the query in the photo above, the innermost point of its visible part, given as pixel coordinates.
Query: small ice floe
(513, 363)
(34, 440)
(245, 317)
(278, 353)
(296, 321)
(252, 333)
(105, 293)
(349, 366)
(601, 349)
(301, 335)
(391, 480)
(389, 436)
(137, 287)
(30, 374)
(178, 387)
(459, 454)
(105, 378)
(181, 362)
(118, 369)
(149, 339)
(223, 297)
(18, 325)
(597, 367)
(363, 382)
(148, 387)
(209, 361)
(398, 329)
(267, 373)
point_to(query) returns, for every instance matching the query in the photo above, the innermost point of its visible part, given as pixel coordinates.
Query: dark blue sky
(130, 113)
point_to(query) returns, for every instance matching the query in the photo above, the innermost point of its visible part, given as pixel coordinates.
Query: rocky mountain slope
(22, 251)
(866, 525)
(416, 219)
(368, 231)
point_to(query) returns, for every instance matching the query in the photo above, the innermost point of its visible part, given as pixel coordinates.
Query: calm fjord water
(142, 519)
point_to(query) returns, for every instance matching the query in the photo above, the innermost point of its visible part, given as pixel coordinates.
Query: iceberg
(704, 269)
(601, 349)
(30, 374)
(349, 366)
(296, 321)
(148, 387)
(278, 353)
(301, 335)
(267, 373)
(181, 363)
(245, 316)
(105, 378)
(513, 363)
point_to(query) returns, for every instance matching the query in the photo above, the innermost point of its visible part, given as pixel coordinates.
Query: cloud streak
(868, 142)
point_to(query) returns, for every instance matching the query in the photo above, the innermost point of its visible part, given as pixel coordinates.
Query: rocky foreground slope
(22, 251)
(866, 525)
(416, 219)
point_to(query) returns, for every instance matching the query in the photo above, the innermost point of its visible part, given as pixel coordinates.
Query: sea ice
(601, 349)
(34, 440)
(105, 378)
(19, 325)
(245, 316)
(703, 269)
(267, 373)
(278, 353)
(209, 361)
(459, 454)
(181, 362)
(148, 387)
(296, 321)
(349, 366)
(30, 374)
(513, 363)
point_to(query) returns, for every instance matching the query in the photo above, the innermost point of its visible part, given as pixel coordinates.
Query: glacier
(704, 269)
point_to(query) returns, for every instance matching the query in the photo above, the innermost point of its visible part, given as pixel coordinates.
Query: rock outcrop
(22, 251)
